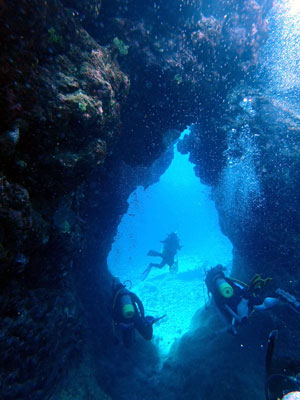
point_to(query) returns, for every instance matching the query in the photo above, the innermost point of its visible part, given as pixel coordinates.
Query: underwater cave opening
(178, 202)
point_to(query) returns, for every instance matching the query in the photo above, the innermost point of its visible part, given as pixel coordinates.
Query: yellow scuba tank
(127, 306)
(224, 288)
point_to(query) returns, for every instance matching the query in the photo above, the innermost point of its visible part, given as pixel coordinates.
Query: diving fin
(270, 349)
(288, 297)
(158, 319)
(154, 253)
(291, 300)
(146, 272)
(268, 360)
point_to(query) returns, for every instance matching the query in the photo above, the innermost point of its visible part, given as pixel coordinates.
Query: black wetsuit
(239, 293)
(127, 325)
(171, 245)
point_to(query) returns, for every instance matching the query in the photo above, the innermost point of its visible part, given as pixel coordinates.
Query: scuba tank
(224, 288)
(126, 306)
(216, 282)
(122, 302)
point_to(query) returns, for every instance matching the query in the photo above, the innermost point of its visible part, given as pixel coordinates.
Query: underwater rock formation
(182, 58)
(91, 93)
(210, 363)
(262, 151)
(65, 104)
(251, 159)
(60, 102)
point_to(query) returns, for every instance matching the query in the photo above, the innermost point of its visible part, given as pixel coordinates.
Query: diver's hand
(152, 320)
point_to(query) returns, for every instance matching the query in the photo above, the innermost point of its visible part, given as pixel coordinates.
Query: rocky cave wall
(90, 93)
(60, 102)
(259, 211)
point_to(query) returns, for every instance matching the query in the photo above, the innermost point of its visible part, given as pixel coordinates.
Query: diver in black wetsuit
(128, 314)
(170, 247)
(234, 299)
(278, 384)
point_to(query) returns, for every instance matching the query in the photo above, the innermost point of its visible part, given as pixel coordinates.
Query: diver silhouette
(235, 299)
(128, 315)
(170, 247)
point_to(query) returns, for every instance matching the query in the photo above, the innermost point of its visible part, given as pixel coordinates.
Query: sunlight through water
(178, 202)
(293, 6)
(280, 58)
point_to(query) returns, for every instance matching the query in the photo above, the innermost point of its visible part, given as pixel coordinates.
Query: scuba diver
(128, 314)
(170, 247)
(235, 299)
(279, 386)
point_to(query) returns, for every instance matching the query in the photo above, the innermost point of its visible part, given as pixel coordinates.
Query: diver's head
(218, 270)
(172, 235)
(213, 275)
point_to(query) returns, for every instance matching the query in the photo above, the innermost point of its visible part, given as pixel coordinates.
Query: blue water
(178, 202)
(70, 119)
(279, 59)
